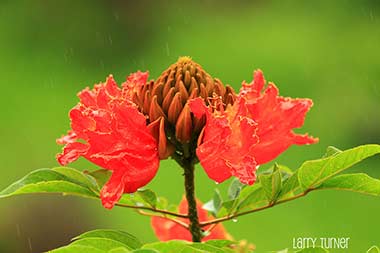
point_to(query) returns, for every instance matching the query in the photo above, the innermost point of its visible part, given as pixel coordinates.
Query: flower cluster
(187, 115)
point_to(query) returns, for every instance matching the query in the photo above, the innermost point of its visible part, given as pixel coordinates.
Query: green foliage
(234, 189)
(68, 181)
(116, 241)
(271, 184)
(306, 250)
(279, 184)
(116, 235)
(148, 196)
(59, 180)
(313, 250)
(358, 182)
(373, 249)
(100, 240)
(214, 204)
(312, 173)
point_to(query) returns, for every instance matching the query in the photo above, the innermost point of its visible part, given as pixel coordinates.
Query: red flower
(255, 130)
(227, 140)
(109, 130)
(166, 229)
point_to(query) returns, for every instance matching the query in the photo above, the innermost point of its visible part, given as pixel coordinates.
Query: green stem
(194, 226)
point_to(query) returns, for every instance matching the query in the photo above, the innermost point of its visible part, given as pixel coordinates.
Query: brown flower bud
(175, 108)
(168, 100)
(165, 104)
(184, 126)
(157, 129)
(155, 110)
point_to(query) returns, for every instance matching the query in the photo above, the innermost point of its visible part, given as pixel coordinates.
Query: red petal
(256, 129)
(226, 143)
(166, 230)
(134, 82)
(111, 87)
(87, 97)
(69, 138)
(71, 152)
(276, 117)
(116, 138)
(112, 190)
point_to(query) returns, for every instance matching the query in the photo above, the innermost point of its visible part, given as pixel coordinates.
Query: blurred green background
(325, 50)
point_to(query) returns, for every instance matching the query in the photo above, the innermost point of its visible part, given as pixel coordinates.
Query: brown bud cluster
(165, 104)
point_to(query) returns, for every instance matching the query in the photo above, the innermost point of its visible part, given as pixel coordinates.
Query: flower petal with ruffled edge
(255, 130)
(276, 117)
(166, 229)
(108, 130)
(226, 142)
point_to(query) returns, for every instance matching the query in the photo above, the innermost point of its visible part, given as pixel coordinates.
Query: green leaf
(214, 204)
(252, 197)
(49, 181)
(281, 251)
(373, 249)
(271, 184)
(144, 251)
(78, 176)
(313, 173)
(77, 249)
(234, 189)
(69, 181)
(189, 249)
(285, 171)
(358, 182)
(290, 186)
(331, 150)
(148, 196)
(102, 240)
(162, 203)
(105, 244)
(119, 250)
(313, 250)
(220, 243)
(101, 176)
(116, 235)
(203, 248)
(233, 194)
(173, 246)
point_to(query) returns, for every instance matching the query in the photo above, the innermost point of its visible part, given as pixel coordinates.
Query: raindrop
(234, 220)
(206, 233)
(30, 244)
(216, 183)
(18, 230)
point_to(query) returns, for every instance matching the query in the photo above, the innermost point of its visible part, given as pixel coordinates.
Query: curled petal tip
(65, 139)
(305, 139)
(107, 204)
(112, 190)
(258, 80)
